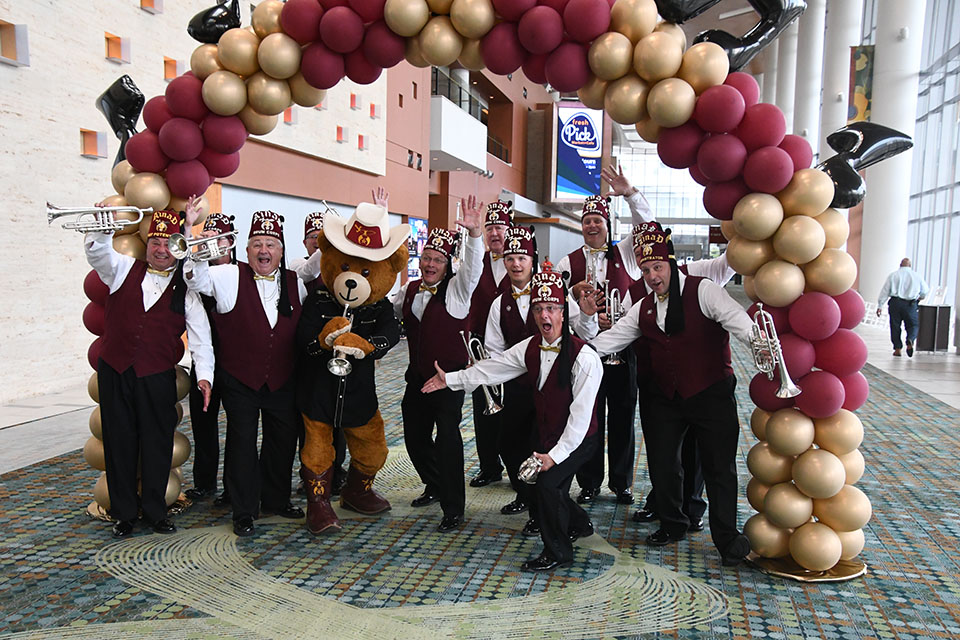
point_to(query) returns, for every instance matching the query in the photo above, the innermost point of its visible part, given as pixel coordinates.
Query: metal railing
(497, 149)
(443, 85)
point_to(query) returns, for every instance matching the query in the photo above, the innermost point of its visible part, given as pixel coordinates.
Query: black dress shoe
(222, 500)
(645, 515)
(243, 526)
(909, 349)
(624, 496)
(424, 499)
(532, 528)
(588, 495)
(482, 479)
(288, 511)
(164, 526)
(736, 551)
(544, 562)
(577, 533)
(449, 523)
(513, 508)
(695, 525)
(123, 529)
(199, 494)
(661, 537)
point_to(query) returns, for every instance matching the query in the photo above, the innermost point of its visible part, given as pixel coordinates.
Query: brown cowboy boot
(320, 515)
(358, 494)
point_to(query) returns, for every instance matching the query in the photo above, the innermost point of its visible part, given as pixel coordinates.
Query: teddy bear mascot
(347, 324)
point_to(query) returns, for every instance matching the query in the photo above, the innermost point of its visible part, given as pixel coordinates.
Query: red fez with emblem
(654, 242)
(313, 222)
(499, 213)
(596, 205)
(267, 223)
(442, 240)
(519, 240)
(164, 224)
(219, 223)
(547, 286)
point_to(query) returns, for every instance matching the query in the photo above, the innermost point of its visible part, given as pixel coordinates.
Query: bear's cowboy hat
(365, 234)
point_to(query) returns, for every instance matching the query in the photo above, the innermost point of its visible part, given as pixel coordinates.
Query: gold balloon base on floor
(788, 568)
(95, 511)
(182, 503)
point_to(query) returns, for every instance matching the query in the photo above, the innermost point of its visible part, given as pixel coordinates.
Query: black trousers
(439, 462)
(487, 430)
(518, 422)
(694, 506)
(556, 512)
(253, 480)
(616, 413)
(711, 417)
(139, 417)
(206, 435)
(903, 313)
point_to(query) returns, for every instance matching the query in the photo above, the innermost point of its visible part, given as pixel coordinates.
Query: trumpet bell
(529, 470)
(177, 246)
(339, 366)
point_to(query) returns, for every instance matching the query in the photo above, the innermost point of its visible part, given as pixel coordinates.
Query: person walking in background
(904, 289)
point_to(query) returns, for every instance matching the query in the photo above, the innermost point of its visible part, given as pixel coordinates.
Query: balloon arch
(703, 115)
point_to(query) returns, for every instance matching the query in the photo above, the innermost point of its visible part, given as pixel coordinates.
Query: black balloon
(121, 104)
(207, 26)
(681, 10)
(775, 16)
(859, 145)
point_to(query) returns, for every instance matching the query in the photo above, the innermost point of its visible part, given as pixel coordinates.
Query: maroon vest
(251, 351)
(483, 296)
(443, 343)
(617, 274)
(692, 360)
(149, 341)
(553, 401)
(515, 330)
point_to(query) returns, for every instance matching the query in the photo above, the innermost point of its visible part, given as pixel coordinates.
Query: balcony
(458, 141)
(443, 85)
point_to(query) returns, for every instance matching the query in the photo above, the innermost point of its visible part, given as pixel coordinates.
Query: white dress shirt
(113, 267)
(903, 283)
(585, 379)
(581, 324)
(498, 267)
(459, 289)
(307, 269)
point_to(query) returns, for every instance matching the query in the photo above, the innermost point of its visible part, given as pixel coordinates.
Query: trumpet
(95, 219)
(614, 304)
(200, 249)
(530, 469)
(492, 394)
(461, 250)
(767, 354)
(338, 365)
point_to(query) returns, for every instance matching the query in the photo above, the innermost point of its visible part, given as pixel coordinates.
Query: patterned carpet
(395, 576)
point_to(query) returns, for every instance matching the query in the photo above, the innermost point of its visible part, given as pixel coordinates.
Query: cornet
(615, 311)
(95, 219)
(493, 395)
(200, 249)
(530, 469)
(338, 365)
(767, 354)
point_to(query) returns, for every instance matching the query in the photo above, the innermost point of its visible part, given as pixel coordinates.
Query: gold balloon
(179, 473)
(704, 65)
(121, 173)
(786, 507)
(849, 510)
(237, 51)
(267, 95)
(657, 56)
(181, 449)
(815, 546)
(625, 99)
(852, 543)
(266, 18)
(610, 56)
(120, 201)
(204, 61)
(440, 43)
(440, 6)
(145, 228)
(758, 422)
(790, 433)
(470, 57)
(671, 102)
(279, 56)
(756, 492)
(303, 93)
(766, 539)
(406, 17)
(799, 239)
(179, 408)
(257, 124)
(757, 216)
(633, 18)
(727, 229)
(93, 388)
(101, 493)
(648, 129)
(471, 18)
(173, 489)
(853, 466)
(832, 272)
(835, 227)
(591, 94)
(183, 382)
(778, 283)
(203, 208)
(749, 289)
(768, 466)
(414, 54)
(93, 453)
(747, 256)
(96, 427)
(130, 245)
(147, 190)
(224, 93)
(808, 193)
(818, 473)
(839, 434)
(674, 30)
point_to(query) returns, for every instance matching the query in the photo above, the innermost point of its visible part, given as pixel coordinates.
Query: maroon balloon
(144, 153)
(321, 67)
(698, 176)
(780, 315)
(187, 179)
(768, 170)
(219, 165)
(512, 10)
(821, 394)
(746, 84)
(763, 392)
(556, 5)
(720, 198)
(678, 146)
(814, 316)
(719, 109)
(300, 19)
(856, 390)
(94, 288)
(763, 125)
(534, 67)
(223, 134)
(721, 157)
(540, 30)
(180, 139)
(567, 68)
(799, 150)
(842, 354)
(359, 69)
(156, 113)
(798, 354)
(185, 99)
(501, 50)
(368, 10)
(330, 4)
(93, 318)
(584, 20)
(93, 352)
(341, 29)
(852, 308)
(382, 46)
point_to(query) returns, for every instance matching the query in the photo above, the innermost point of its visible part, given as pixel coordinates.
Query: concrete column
(842, 32)
(462, 78)
(896, 73)
(787, 72)
(769, 94)
(806, 101)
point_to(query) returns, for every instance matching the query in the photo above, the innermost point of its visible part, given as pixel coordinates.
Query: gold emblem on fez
(514, 244)
(267, 225)
(544, 291)
(161, 226)
(648, 249)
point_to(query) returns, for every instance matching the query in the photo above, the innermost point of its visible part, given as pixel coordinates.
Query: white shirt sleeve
(462, 284)
(628, 259)
(307, 269)
(586, 377)
(716, 269)
(620, 335)
(640, 210)
(493, 339)
(586, 327)
(397, 301)
(492, 371)
(717, 305)
(110, 265)
(199, 337)
(301, 289)
(221, 282)
(884, 290)
(564, 266)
